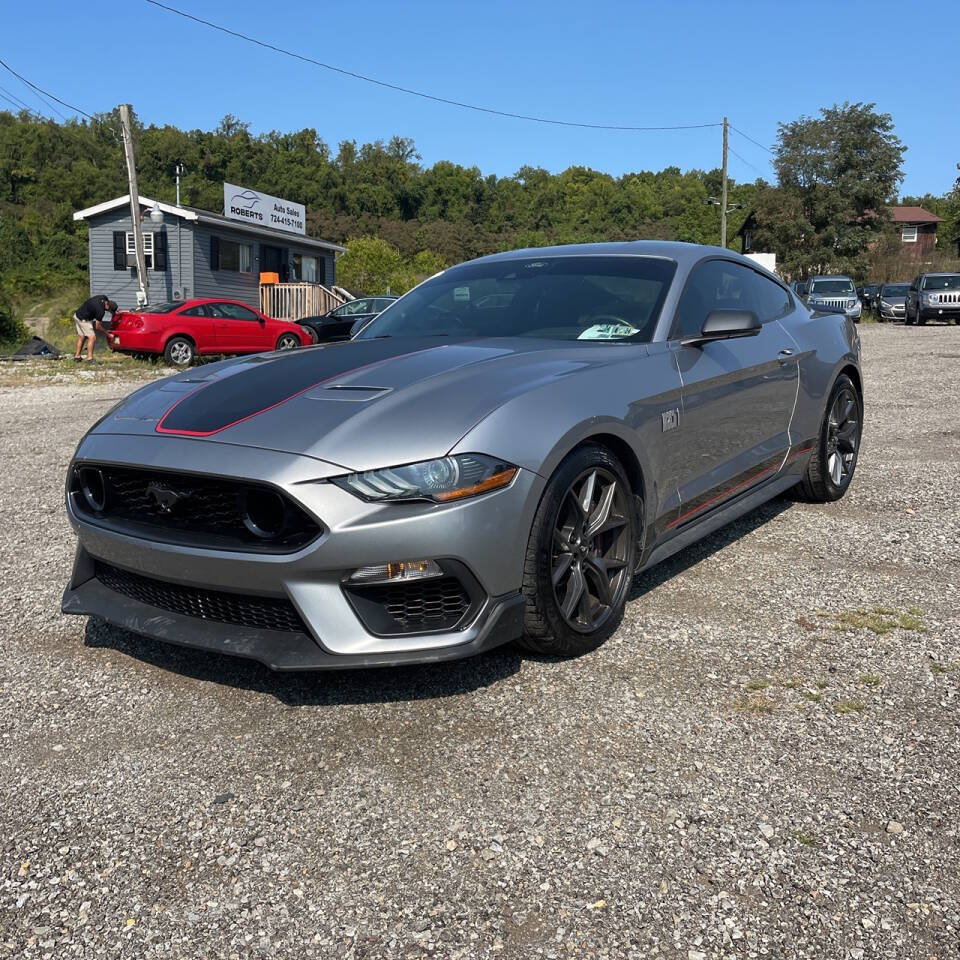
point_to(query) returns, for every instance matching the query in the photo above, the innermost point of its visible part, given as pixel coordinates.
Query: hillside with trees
(833, 171)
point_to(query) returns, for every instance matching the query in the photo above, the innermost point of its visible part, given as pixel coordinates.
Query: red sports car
(184, 328)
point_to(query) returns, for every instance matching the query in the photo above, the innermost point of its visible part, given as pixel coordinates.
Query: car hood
(894, 300)
(359, 405)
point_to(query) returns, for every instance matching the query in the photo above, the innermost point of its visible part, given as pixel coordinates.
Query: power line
(11, 97)
(747, 162)
(747, 137)
(50, 106)
(33, 86)
(419, 93)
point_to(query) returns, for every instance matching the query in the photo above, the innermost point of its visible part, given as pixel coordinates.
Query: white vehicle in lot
(835, 293)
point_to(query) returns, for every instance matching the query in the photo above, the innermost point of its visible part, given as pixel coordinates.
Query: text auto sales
(280, 215)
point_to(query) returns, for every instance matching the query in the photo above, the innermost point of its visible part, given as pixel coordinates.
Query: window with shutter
(147, 248)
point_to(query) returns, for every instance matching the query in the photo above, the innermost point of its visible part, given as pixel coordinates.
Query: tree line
(835, 173)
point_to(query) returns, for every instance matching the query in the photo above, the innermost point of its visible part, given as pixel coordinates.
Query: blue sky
(603, 62)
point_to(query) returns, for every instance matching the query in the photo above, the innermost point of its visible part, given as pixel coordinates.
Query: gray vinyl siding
(225, 283)
(188, 272)
(121, 285)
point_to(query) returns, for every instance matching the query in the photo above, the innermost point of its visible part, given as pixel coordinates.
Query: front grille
(242, 610)
(188, 509)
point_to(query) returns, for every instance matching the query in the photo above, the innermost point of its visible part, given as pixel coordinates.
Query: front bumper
(947, 311)
(485, 537)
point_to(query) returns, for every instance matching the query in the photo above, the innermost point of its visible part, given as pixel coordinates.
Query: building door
(274, 260)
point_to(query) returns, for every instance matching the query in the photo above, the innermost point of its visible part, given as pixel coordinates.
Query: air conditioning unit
(132, 260)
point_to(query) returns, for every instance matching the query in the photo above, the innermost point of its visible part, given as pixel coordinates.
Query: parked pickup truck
(934, 296)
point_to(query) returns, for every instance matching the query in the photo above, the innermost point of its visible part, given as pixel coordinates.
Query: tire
(313, 334)
(823, 482)
(584, 625)
(179, 352)
(907, 322)
(288, 341)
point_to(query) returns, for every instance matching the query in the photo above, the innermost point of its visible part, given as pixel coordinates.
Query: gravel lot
(764, 761)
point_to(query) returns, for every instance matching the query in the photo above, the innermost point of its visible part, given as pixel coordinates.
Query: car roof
(949, 273)
(831, 276)
(684, 254)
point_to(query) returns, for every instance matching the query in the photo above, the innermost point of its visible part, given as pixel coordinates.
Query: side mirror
(727, 324)
(358, 325)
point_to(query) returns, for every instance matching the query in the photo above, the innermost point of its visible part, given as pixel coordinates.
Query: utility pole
(723, 191)
(142, 279)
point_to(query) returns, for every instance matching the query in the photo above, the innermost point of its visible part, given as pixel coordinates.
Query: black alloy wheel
(834, 458)
(581, 555)
(590, 549)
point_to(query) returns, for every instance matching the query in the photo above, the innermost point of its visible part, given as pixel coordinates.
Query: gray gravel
(764, 761)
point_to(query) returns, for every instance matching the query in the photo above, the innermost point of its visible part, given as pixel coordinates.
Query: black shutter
(119, 250)
(160, 251)
(214, 253)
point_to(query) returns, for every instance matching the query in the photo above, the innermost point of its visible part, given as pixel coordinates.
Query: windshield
(894, 290)
(167, 306)
(828, 288)
(951, 282)
(557, 298)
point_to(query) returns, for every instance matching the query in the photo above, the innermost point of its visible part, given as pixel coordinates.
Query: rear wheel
(179, 352)
(288, 341)
(580, 556)
(835, 456)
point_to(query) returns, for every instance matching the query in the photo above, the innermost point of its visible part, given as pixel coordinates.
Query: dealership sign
(261, 209)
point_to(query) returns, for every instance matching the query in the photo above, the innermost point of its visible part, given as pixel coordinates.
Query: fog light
(396, 572)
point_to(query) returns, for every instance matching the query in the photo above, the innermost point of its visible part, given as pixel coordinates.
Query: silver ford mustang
(492, 459)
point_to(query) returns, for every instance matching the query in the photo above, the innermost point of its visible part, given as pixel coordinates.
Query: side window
(771, 299)
(233, 311)
(199, 311)
(714, 285)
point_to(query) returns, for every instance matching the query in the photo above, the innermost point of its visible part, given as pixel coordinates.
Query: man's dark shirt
(93, 309)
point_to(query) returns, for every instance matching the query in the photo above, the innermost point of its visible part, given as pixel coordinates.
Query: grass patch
(944, 667)
(822, 684)
(757, 703)
(880, 620)
(790, 684)
(812, 695)
(758, 684)
(849, 706)
(806, 838)
(870, 679)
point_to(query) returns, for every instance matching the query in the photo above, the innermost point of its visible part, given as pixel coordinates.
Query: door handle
(784, 355)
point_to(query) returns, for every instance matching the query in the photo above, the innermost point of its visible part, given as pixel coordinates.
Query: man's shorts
(84, 327)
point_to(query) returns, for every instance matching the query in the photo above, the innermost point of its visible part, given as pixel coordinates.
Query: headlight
(441, 480)
(883, 303)
(851, 304)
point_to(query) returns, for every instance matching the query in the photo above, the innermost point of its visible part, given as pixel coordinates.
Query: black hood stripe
(231, 399)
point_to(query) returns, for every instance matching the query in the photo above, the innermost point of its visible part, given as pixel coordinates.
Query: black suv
(933, 296)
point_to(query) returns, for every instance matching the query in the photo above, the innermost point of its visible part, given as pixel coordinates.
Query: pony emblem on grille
(166, 498)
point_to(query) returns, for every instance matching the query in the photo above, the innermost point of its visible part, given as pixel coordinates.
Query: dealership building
(256, 251)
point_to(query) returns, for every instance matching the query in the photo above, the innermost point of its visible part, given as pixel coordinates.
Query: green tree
(837, 173)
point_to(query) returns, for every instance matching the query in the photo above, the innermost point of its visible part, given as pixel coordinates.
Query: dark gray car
(493, 458)
(891, 301)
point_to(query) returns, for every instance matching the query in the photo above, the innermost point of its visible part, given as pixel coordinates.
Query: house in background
(918, 230)
(197, 253)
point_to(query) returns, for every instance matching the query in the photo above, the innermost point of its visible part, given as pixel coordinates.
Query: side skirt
(719, 518)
